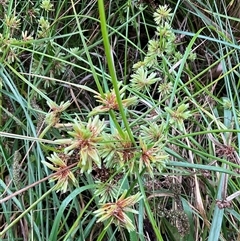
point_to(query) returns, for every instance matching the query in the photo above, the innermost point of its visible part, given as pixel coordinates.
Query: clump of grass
(139, 134)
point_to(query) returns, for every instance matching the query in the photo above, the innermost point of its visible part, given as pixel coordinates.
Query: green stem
(25, 212)
(86, 51)
(93, 69)
(111, 66)
(45, 131)
(180, 70)
(76, 223)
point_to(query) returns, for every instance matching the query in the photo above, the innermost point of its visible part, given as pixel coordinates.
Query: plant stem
(26, 211)
(111, 67)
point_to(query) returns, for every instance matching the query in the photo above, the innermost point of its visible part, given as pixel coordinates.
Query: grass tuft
(119, 120)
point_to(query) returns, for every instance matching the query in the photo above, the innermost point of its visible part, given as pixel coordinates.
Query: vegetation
(119, 120)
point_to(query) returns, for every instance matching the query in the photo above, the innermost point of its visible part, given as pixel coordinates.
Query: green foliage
(119, 121)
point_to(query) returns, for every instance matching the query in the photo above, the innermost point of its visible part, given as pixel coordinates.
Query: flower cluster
(179, 115)
(52, 118)
(116, 212)
(63, 175)
(152, 155)
(13, 23)
(86, 139)
(106, 191)
(108, 150)
(162, 53)
(47, 5)
(141, 81)
(118, 150)
(163, 14)
(109, 101)
(44, 26)
(161, 47)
